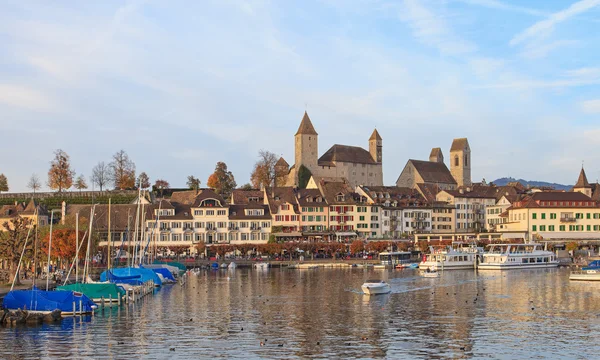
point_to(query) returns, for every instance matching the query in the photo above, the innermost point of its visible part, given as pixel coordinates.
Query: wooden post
(110, 300)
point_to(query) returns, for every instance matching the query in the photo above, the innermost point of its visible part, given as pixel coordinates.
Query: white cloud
(590, 106)
(586, 72)
(535, 51)
(431, 29)
(494, 4)
(543, 28)
(26, 98)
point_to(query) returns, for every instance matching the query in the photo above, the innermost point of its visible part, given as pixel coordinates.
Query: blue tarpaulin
(41, 300)
(145, 275)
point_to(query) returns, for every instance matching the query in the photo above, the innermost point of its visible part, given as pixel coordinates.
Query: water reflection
(322, 313)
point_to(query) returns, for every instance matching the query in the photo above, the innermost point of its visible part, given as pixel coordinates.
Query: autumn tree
(122, 171)
(357, 246)
(303, 176)
(64, 243)
(193, 182)
(80, 183)
(11, 244)
(143, 181)
(100, 175)
(34, 183)
(266, 173)
(60, 175)
(3, 183)
(222, 180)
(161, 185)
(247, 186)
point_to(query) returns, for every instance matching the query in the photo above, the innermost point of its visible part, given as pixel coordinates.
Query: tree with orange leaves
(63, 244)
(222, 180)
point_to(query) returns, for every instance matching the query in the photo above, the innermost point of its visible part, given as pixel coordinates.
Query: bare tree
(100, 175)
(266, 171)
(143, 181)
(122, 170)
(34, 183)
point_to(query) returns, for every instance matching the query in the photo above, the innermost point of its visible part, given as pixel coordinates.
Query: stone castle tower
(460, 161)
(436, 155)
(582, 185)
(306, 147)
(376, 147)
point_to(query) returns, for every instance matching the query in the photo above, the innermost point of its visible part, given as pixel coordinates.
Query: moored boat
(517, 256)
(591, 272)
(98, 292)
(453, 257)
(45, 302)
(376, 287)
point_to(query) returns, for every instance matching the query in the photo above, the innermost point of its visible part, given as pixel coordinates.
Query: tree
(80, 183)
(11, 244)
(222, 180)
(100, 175)
(303, 176)
(60, 175)
(193, 183)
(34, 183)
(357, 246)
(122, 171)
(160, 185)
(246, 187)
(266, 173)
(3, 183)
(143, 181)
(63, 244)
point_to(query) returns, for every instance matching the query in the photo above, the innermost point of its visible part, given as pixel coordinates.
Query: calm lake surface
(322, 314)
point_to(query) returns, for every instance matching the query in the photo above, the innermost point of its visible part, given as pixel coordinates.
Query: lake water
(321, 313)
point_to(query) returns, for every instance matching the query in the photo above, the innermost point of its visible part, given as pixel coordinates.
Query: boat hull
(485, 266)
(585, 275)
(438, 266)
(376, 290)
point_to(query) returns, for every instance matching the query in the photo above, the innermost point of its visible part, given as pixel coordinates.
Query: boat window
(525, 260)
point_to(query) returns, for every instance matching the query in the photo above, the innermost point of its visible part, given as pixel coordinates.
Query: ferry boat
(517, 256)
(453, 257)
(589, 273)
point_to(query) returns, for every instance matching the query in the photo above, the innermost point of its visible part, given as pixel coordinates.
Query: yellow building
(33, 211)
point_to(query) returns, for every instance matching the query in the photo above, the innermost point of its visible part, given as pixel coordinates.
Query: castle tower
(376, 147)
(436, 155)
(460, 161)
(306, 145)
(583, 186)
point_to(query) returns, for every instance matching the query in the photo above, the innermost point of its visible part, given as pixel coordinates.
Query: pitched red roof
(345, 153)
(582, 181)
(306, 127)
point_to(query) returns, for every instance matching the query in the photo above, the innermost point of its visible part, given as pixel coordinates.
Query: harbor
(298, 314)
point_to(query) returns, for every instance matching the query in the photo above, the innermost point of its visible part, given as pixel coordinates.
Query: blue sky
(180, 85)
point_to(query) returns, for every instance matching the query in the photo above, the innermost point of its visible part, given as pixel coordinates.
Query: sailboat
(46, 302)
(98, 292)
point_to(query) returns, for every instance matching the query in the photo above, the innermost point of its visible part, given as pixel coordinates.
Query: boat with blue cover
(591, 272)
(131, 273)
(45, 302)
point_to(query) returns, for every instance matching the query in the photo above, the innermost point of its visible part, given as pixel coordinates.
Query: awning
(288, 234)
(316, 233)
(345, 234)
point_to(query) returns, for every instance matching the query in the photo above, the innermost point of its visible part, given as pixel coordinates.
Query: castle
(352, 163)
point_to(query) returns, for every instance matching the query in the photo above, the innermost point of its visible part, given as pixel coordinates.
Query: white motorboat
(453, 257)
(517, 256)
(261, 266)
(232, 265)
(430, 272)
(589, 273)
(376, 287)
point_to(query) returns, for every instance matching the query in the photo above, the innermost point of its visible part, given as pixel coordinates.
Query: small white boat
(589, 273)
(376, 287)
(431, 274)
(232, 265)
(261, 266)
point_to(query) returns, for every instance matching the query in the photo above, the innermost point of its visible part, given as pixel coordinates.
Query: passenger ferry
(517, 256)
(453, 257)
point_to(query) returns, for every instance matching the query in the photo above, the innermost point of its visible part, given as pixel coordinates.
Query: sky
(180, 85)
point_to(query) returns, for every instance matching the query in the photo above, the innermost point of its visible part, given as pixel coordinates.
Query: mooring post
(110, 300)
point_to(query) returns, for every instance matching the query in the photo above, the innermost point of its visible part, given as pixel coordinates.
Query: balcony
(233, 228)
(568, 219)
(255, 228)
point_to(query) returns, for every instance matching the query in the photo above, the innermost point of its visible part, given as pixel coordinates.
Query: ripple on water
(323, 314)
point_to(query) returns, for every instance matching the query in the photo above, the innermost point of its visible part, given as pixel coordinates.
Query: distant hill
(506, 180)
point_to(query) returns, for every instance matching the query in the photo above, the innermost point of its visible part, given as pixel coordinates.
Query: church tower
(306, 147)
(436, 155)
(376, 147)
(583, 186)
(460, 161)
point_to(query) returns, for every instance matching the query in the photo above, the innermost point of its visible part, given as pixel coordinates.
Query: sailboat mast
(135, 231)
(109, 237)
(77, 246)
(49, 248)
(35, 246)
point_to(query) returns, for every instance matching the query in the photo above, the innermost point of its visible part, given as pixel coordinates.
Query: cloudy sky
(180, 85)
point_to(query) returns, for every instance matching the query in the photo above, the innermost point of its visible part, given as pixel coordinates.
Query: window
(543, 216)
(589, 227)
(198, 212)
(552, 216)
(534, 216)
(456, 160)
(542, 227)
(221, 212)
(210, 212)
(561, 228)
(534, 228)
(589, 216)
(551, 228)
(361, 218)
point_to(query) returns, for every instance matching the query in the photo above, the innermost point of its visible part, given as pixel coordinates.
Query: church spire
(375, 135)
(306, 127)
(582, 182)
